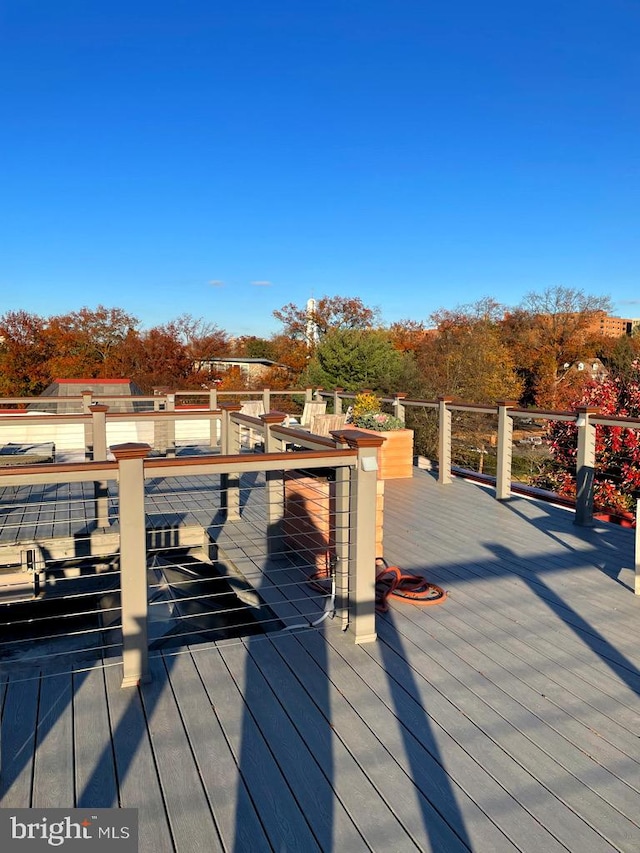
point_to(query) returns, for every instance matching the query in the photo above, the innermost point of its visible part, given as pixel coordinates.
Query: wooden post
(213, 398)
(505, 450)
(214, 429)
(585, 466)
(100, 487)
(444, 442)
(337, 401)
(362, 515)
(274, 482)
(133, 561)
(159, 427)
(266, 399)
(398, 408)
(87, 397)
(88, 425)
(171, 425)
(308, 395)
(230, 483)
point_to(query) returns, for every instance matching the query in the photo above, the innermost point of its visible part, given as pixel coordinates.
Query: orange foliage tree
(546, 335)
(331, 313)
(85, 342)
(25, 350)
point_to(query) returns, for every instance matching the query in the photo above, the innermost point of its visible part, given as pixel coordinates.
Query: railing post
(342, 529)
(88, 424)
(133, 561)
(100, 487)
(214, 429)
(87, 397)
(230, 446)
(308, 395)
(171, 426)
(159, 427)
(274, 483)
(342, 491)
(505, 450)
(213, 398)
(362, 515)
(398, 407)
(585, 466)
(337, 401)
(444, 441)
(266, 399)
(637, 552)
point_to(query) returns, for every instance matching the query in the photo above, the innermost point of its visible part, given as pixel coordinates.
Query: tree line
(540, 353)
(479, 353)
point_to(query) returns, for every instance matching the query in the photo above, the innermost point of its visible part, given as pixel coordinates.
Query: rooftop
(504, 719)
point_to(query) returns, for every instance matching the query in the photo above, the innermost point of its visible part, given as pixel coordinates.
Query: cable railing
(125, 557)
(257, 526)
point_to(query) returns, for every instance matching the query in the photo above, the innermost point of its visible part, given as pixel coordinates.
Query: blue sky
(225, 158)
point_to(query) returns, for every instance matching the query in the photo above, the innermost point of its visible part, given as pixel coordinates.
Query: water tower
(311, 334)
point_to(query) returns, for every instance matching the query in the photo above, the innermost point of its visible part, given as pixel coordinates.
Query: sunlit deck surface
(504, 719)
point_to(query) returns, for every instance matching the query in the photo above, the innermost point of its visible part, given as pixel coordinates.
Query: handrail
(227, 437)
(455, 405)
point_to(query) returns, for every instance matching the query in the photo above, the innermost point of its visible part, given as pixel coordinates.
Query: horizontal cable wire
(231, 602)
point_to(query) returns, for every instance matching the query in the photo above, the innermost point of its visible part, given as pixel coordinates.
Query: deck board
(420, 746)
(378, 756)
(573, 704)
(53, 782)
(139, 786)
(531, 741)
(375, 814)
(188, 810)
(95, 773)
(285, 825)
(504, 719)
(19, 716)
(236, 818)
(311, 788)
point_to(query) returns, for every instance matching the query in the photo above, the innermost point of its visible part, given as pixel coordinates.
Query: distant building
(251, 368)
(592, 367)
(614, 327)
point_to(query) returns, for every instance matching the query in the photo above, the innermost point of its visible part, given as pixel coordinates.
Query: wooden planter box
(309, 520)
(395, 457)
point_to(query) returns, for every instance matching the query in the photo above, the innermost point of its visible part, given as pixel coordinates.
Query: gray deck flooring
(505, 719)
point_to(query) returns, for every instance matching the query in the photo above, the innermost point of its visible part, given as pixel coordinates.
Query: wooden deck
(505, 719)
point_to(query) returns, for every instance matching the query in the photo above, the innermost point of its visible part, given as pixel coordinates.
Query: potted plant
(395, 456)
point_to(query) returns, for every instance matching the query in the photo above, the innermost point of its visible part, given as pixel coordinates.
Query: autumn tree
(330, 313)
(251, 346)
(200, 338)
(547, 334)
(466, 357)
(619, 354)
(85, 342)
(25, 351)
(156, 358)
(617, 474)
(408, 335)
(295, 354)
